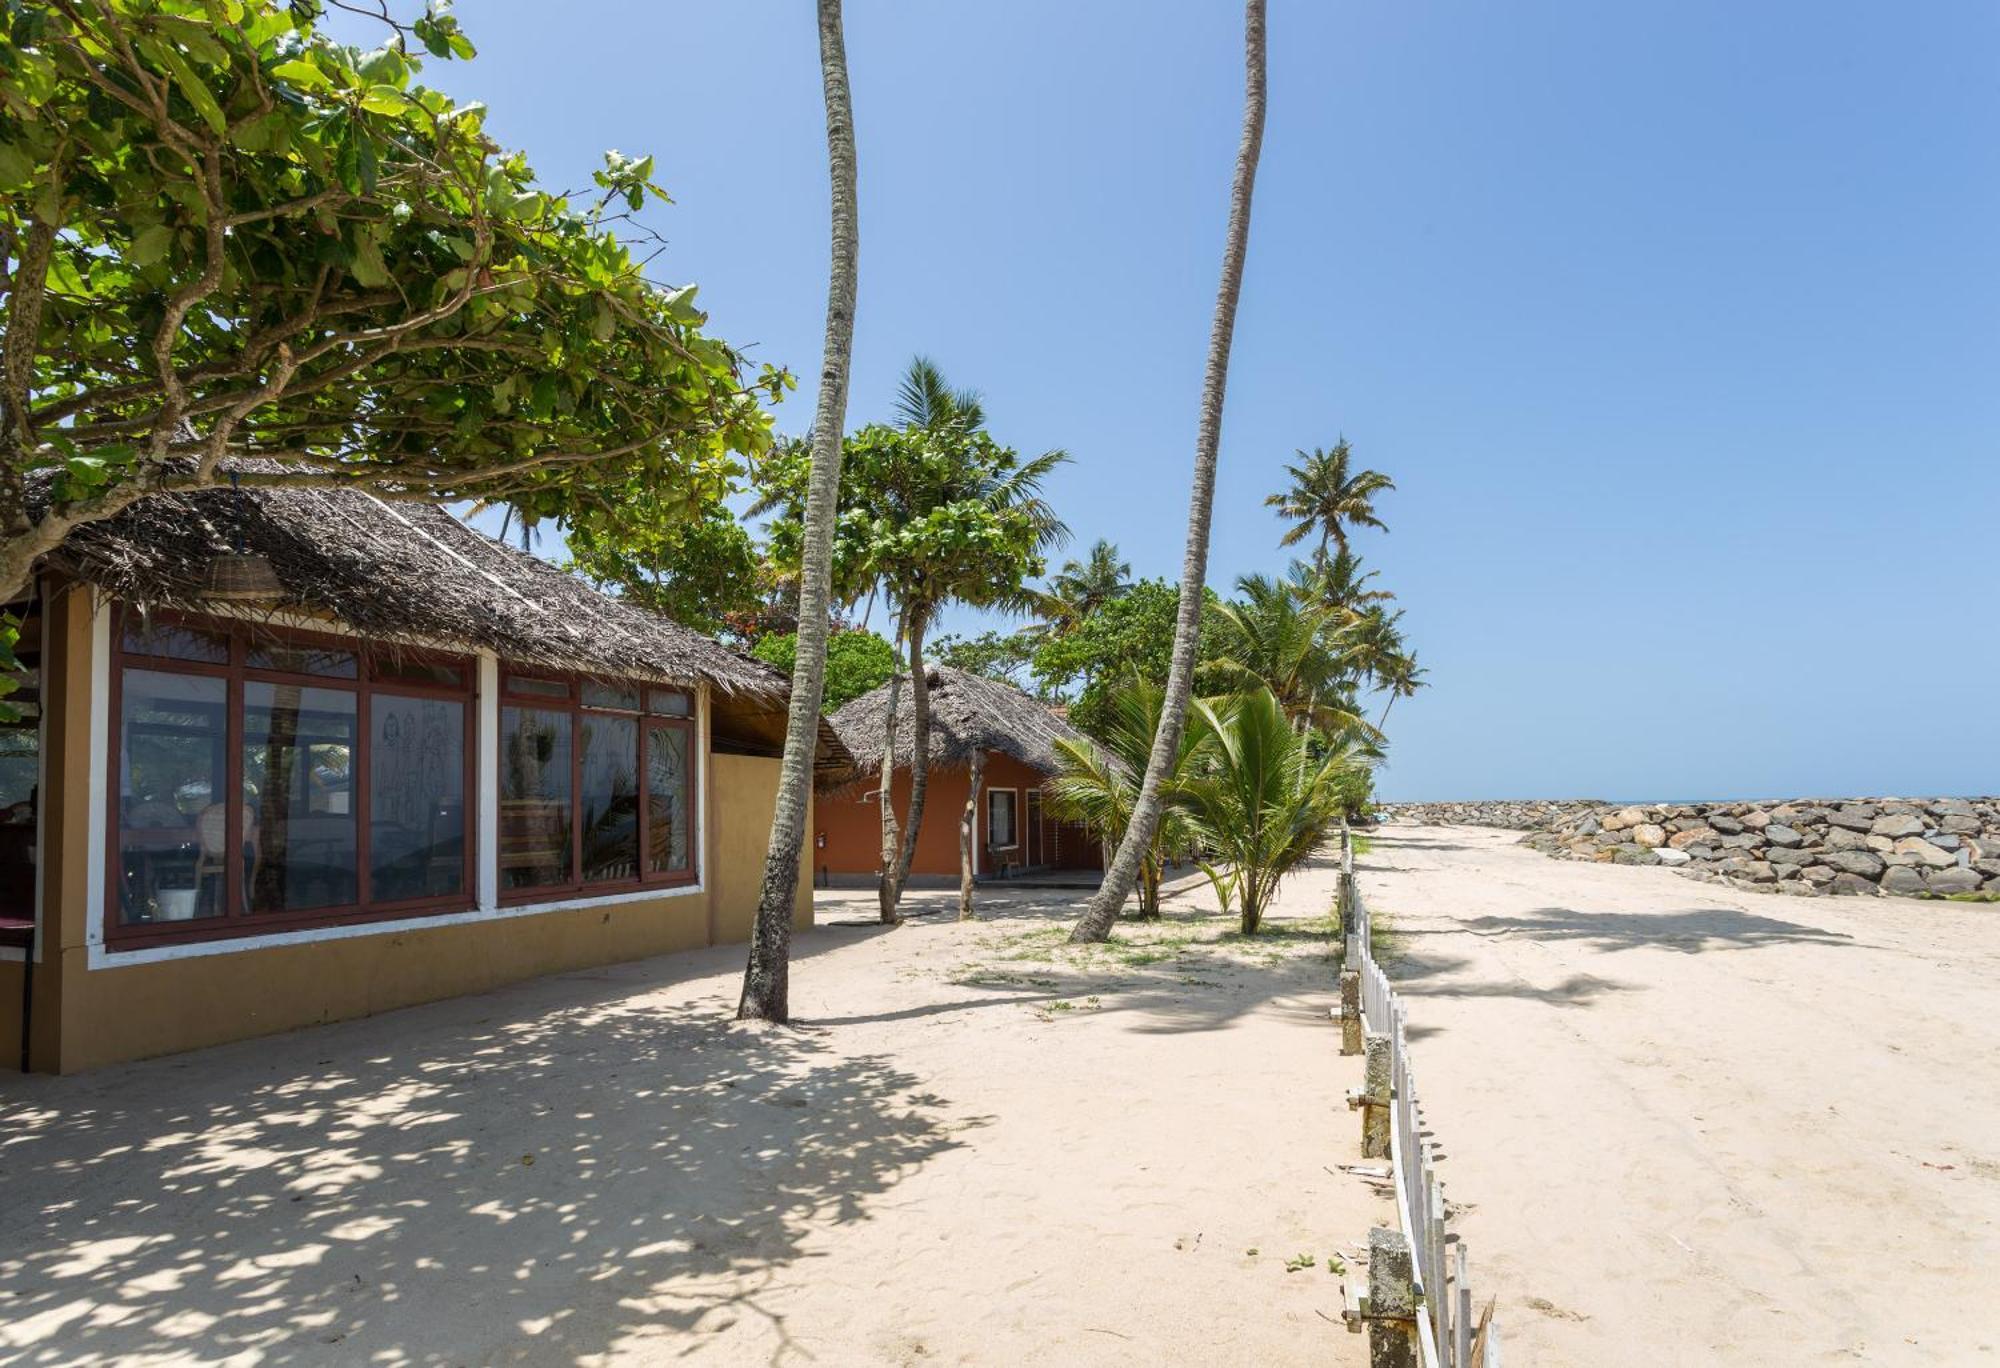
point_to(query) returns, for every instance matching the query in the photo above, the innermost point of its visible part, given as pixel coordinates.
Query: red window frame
(237, 672)
(571, 703)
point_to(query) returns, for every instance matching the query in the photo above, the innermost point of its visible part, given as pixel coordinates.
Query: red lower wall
(848, 832)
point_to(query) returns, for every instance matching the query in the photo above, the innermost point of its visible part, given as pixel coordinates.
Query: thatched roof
(968, 712)
(399, 572)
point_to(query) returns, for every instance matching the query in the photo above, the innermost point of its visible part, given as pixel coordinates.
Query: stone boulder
(1648, 834)
(1925, 853)
(1953, 880)
(1865, 864)
(1902, 882)
(1778, 834)
(1897, 824)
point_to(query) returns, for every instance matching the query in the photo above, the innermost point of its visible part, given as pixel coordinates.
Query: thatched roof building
(968, 712)
(412, 573)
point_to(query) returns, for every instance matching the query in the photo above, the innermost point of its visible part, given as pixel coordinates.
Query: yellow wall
(132, 1011)
(89, 1017)
(744, 793)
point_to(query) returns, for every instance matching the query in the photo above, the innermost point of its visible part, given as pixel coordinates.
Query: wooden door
(1033, 845)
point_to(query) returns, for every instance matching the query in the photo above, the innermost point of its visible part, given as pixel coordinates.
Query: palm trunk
(767, 979)
(1385, 712)
(886, 886)
(968, 831)
(1097, 919)
(920, 748)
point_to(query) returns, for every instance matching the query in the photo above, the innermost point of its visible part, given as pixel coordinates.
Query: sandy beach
(980, 1148)
(1693, 1125)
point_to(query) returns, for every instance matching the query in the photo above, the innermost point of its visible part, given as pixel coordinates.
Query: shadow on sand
(536, 1175)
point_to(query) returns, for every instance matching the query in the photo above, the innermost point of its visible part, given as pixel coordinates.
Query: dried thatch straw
(968, 712)
(399, 572)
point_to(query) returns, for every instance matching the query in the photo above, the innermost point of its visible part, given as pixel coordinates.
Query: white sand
(983, 1149)
(1702, 1126)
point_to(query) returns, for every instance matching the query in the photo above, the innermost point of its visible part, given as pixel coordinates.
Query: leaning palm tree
(1098, 784)
(1098, 917)
(1082, 587)
(1401, 678)
(1266, 800)
(1328, 496)
(767, 977)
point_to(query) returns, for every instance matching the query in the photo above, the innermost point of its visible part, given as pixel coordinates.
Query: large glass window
(625, 789)
(299, 839)
(173, 797)
(535, 784)
(267, 780)
(669, 795)
(416, 808)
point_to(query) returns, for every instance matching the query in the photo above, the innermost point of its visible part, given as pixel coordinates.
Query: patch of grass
(1298, 1263)
(1980, 897)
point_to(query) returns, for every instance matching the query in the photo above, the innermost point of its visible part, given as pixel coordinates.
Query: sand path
(982, 1148)
(1703, 1126)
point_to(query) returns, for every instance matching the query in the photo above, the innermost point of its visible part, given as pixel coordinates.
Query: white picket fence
(1446, 1323)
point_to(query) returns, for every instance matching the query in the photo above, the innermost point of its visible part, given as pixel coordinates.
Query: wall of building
(851, 823)
(92, 1009)
(745, 792)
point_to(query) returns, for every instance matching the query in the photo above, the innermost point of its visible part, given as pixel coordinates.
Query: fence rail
(1448, 1334)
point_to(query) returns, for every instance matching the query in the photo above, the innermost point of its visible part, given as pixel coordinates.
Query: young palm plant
(1266, 798)
(1301, 652)
(1099, 783)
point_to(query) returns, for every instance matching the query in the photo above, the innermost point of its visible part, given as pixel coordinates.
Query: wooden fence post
(1350, 1011)
(1392, 1301)
(1376, 1089)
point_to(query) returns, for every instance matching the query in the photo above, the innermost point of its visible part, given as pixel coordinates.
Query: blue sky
(1677, 325)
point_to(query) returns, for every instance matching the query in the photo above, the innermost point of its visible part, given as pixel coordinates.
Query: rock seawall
(1906, 847)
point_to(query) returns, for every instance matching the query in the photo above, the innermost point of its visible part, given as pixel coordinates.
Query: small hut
(289, 755)
(984, 733)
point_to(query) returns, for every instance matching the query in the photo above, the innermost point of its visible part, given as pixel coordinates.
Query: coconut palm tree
(1265, 799)
(1338, 583)
(1267, 638)
(767, 977)
(925, 400)
(1082, 587)
(1098, 784)
(1401, 679)
(1097, 919)
(1328, 496)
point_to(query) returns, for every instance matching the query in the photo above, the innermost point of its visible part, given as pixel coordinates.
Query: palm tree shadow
(581, 1170)
(1691, 930)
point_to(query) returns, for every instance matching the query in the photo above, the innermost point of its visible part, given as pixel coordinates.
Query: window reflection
(610, 794)
(668, 790)
(173, 815)
(298, 788)
(534, 797)
(416, 819)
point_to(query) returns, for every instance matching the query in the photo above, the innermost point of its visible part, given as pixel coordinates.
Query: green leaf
(187, 82)
(388, 100)
(301, 72)
(150, 244)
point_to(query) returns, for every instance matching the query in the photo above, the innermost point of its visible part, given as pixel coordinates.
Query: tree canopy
(856, 662)
(228, 235)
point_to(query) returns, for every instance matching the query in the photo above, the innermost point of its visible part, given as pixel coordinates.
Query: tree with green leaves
(702, 571)
(1083, 587)
(767, 976)
(932, 512)
(1005, 656)
(1265, 799)
(1300, 652)
(1102, 912)
(1337, 583)
(1132, 634)
(1098, 784)
(1328, 496)
(226, 235)
(857, 662)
